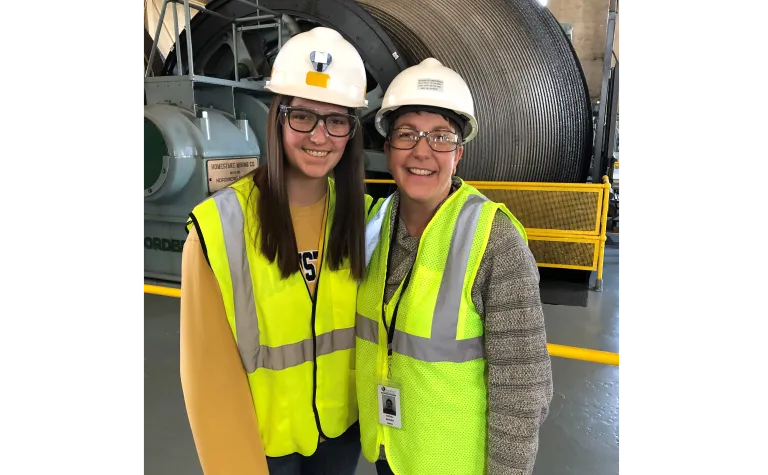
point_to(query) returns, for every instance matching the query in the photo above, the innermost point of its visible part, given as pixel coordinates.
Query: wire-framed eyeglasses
(438, 140)
(305, 120)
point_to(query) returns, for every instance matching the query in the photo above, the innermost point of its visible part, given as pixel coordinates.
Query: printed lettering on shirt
(308, 264)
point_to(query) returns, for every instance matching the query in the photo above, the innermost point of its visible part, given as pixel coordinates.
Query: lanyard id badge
(388, 393)
(389, 405)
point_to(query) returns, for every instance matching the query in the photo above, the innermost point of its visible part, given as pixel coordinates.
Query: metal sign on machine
(222, 173)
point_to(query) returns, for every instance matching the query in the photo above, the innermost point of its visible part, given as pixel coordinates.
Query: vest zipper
(314, 332)
(314, 358)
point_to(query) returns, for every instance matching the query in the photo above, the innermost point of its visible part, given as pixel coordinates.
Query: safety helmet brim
(387, 115)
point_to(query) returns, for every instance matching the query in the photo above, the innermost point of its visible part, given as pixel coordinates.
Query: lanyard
(391, 328)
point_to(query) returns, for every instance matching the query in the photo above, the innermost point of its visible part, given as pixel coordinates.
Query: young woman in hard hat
(450, 327)
(269, 280)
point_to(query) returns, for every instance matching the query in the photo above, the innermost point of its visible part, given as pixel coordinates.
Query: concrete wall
(588, 18)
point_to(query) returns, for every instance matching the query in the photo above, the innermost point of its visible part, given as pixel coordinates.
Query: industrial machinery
(205, 112)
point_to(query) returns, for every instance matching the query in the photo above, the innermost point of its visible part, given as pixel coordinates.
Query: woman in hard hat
(269, 281)
(450, 325)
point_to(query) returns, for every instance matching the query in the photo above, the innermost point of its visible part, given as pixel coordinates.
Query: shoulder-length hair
(347, 237)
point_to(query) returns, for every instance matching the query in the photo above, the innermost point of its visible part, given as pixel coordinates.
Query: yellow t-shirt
(309, 228)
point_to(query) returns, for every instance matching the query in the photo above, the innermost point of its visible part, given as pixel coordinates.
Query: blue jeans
(382, 468)
(338, 456)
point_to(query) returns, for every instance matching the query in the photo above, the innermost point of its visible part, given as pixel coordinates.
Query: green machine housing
(200, 135)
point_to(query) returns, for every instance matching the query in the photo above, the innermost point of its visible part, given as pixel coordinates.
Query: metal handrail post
(188, 17)
(157, 36)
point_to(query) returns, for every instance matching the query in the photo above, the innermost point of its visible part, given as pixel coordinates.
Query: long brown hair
(347, 237)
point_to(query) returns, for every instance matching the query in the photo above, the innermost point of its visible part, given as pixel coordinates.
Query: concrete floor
(580, 436)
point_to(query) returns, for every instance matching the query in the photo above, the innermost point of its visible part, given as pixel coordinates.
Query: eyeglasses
(438, 140)
(305, 120)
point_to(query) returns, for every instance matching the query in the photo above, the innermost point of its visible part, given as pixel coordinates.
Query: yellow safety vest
(298, 354)
(437, 356)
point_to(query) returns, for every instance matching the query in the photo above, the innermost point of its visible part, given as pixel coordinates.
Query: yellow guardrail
(164, 291)
(562, 351)
(583, 354)
(565, 222)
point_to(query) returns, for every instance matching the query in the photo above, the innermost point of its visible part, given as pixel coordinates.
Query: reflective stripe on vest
(373, 228)
(442, 345)
(253, 354)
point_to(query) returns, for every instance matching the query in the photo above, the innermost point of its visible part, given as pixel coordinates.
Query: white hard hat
(320, 65)
(431, 85)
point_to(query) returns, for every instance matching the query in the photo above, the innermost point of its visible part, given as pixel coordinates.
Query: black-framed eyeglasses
(305, 120)
(438, 140)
